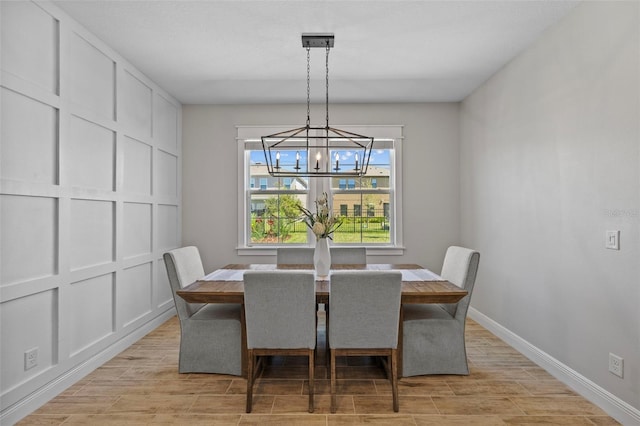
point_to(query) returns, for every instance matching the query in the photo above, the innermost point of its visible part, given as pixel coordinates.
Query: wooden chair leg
(312, 373)
(333, 381)
(326, 336)
(394, 379)
(250, 374)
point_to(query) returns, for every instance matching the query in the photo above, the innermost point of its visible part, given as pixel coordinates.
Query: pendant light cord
(327, 89)
(308, 88)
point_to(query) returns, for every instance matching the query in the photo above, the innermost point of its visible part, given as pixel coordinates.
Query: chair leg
(333, 381)
(394, 379)
(250, 367)
(326, 336)
(312, 373)
(317, 315)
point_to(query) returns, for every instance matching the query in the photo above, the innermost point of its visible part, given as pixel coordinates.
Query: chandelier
(317, 151)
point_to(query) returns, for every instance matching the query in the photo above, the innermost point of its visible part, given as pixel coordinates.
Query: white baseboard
(612, 405)
(32, 402)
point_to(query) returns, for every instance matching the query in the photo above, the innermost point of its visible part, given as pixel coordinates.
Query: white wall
(430, 173)
(90, 162)
(551, 160)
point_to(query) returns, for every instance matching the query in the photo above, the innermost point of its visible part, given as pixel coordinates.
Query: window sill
(371, 251)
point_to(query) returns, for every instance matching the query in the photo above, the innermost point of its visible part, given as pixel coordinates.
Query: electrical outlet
(30, 358)
(613, 240)
(616, 365)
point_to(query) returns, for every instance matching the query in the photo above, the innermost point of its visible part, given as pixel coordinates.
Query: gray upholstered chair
(365, 314)
(433, 335)
(294, 256)
(280, 316)
(304, 255)
(210, 334)
(348, 255)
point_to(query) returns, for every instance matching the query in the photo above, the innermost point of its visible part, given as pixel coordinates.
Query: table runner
(238, 274)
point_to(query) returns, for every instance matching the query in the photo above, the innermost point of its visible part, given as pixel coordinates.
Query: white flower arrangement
(322, 223)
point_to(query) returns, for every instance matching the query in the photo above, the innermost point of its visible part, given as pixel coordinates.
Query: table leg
(400, 340)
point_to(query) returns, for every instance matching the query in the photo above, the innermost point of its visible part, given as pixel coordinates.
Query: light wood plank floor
(142, 386)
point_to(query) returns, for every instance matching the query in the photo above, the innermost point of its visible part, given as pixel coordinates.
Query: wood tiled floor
(142, 386)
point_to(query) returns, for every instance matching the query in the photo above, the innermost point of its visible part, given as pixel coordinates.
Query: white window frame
(385, 136)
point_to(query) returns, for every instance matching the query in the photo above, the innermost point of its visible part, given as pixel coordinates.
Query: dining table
(225, 285)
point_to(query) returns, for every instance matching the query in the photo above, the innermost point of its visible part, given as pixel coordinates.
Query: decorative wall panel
(137, 229)
(162, 288)
(166, 126)
(92, 235)
(29, 238)
(137, 167)
(18, 336)
(167, 174)
(85, 139)
(134, 293)
(29, 148)
(90, 155)
(135, 106)
(29, 44)
(167, 227)
(91, 78)
(92, 314)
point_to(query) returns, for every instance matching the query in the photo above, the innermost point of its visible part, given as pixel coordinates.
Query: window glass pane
(274, 219)
(373, 227)
(379, 170)
(377, 175)
(258, 171)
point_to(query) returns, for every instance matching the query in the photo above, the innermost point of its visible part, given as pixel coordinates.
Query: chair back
(184, 266)
(460, 268)
(348, 255)
(294, 256)
(280, 309)
(365, 309)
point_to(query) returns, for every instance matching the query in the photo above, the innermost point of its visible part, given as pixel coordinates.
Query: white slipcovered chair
(280, 316)
(365, 314)
(433, 335)
(210, 334)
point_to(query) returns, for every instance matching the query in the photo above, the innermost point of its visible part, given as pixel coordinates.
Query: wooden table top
(412, 291)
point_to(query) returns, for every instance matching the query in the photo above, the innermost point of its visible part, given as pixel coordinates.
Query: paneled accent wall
(90, 167)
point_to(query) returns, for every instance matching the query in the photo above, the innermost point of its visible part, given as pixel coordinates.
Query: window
(273, 209)
(367, 204)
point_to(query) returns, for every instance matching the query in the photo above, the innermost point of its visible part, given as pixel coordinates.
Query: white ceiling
(240, 52)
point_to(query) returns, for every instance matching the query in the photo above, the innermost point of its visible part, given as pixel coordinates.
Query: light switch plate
(613, 240)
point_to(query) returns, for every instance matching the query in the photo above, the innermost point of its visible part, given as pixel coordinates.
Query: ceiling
(250, 52)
